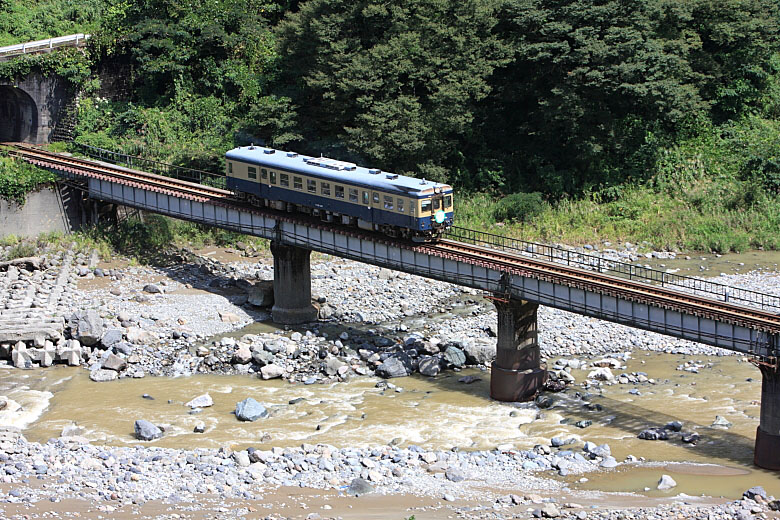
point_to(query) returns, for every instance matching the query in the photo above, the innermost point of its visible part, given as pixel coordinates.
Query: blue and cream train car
(338, 191)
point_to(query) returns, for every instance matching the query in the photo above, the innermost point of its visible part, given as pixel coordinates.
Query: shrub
(521, 207)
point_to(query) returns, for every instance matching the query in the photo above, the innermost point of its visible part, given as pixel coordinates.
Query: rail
(71, 40)
(696, 286)
(213, 179)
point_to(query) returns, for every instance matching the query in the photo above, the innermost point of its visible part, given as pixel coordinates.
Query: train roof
(337, 171)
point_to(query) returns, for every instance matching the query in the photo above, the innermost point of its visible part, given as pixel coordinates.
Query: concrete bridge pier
(516, 374)
(292, 285)
(767, 451)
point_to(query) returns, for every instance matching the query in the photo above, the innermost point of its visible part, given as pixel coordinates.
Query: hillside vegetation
(562, 120)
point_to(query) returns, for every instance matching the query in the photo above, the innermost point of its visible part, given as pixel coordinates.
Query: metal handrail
(71, 40)
(717, 291)
(213, 179)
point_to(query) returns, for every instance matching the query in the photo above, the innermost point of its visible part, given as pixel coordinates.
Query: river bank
(345, 421)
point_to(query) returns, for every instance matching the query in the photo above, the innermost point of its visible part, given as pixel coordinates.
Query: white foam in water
(24, 407)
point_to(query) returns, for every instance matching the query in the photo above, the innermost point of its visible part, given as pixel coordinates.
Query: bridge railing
(71, 40)
(214, 179)
(714, 290)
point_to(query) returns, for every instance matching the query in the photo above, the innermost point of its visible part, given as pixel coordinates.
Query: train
(341, 192)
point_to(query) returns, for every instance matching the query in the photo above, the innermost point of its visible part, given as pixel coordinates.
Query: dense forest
(575, 120)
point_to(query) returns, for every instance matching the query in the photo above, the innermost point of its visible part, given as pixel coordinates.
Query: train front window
(426, 206)
(273, 177)
(284, 179)
(297, 183)
(325, 188)
(388, 202)
(436, 204)
(251, 172)
(339, 191)
(311, 186)
(353, 195)
(448, 201)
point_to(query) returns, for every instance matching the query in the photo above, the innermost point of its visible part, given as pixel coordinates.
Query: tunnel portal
(18, 115)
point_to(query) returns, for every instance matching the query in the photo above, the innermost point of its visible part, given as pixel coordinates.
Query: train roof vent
(251, 146)
(374, 171)
(423, 182)
(269, 150)
(392, 176)
(292, 154)
(331, 164)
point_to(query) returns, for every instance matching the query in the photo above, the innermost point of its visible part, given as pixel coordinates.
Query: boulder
(263, 357)
(146, 431)
(260, 293)
(666, 482)
(332, 365)
(111, 337)
(392, 367)
(152, 289)
(454, 474)
(654, 434)
(430, 366)
(755, 491)
(480, 351)
(90, 327)
(601, 374)
(359, 487)
(114, 362)
(721, 422)
(271, 371)
(242, 355)
(455, 356)
(202, 401)
(138, 335)
(250, 410)
(102, 375)
(229, 317)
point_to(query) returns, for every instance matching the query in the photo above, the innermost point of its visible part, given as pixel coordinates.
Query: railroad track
(480, 255)
(628, 289)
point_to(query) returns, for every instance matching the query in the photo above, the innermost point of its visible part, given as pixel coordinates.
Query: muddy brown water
(435, 413)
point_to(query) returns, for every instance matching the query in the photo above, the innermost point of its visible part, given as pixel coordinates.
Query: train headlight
(439, 217)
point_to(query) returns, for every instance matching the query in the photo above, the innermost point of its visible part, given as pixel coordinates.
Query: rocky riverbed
(122, 321)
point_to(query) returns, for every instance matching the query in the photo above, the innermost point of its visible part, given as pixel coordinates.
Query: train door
(437, 209)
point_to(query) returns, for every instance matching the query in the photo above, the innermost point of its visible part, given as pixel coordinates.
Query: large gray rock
(90, 327)
(332, 365)
(455, 356)
(111, 337)
(138, 335)
(114, 362)
(359, 487)
(102, 375)
(454, 474)
(146, 431)
(271, 371)
(666, 482)
(392, 367)
(430, 366)
(152, 289)
(263, 357)
(242, 355)
(202, 401)
(261, 293)
(250, 410)
(480, 351)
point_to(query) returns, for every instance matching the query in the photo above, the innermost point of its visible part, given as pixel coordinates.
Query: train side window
(339, 191)
(448, 201)
(297, 183)
(436, 203)
(426, 206)
(388, 202)
(273, 177)
(230, 167)
(284, 179)
(376, 198)
(325, 188)
(311, 186)
(400, 205)
(366, 199)
(353, 195)
(251, 172)
(263, 173)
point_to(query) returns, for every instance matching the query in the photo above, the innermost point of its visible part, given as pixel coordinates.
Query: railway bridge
(519, 275)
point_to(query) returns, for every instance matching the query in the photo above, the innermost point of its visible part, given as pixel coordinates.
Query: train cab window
(273, 177)
(388, 202)
(400, 205)
(251, 172)
(448, 201)
(297, 183)
(353, 195)
(376, 198)
(263, 173)
(366, 199)
(311, 186)
(339, 191)
(325, 188)
(436, 204)
(426, 206)
(284, 179)
(230, 167)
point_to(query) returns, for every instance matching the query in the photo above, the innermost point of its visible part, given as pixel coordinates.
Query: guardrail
(71, 40)
(560, 255)
(214, 179)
